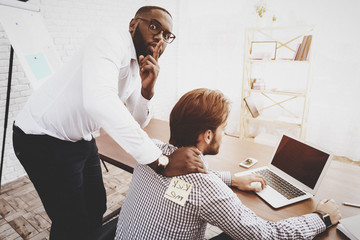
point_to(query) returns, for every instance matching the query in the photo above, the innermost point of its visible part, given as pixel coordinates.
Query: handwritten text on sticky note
(178, 191)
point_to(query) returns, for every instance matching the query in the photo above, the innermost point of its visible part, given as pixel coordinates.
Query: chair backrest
(106, 231)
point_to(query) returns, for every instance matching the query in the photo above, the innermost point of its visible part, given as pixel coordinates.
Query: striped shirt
(147, 214)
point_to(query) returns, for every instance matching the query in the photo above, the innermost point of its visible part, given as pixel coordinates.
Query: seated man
(150, 211)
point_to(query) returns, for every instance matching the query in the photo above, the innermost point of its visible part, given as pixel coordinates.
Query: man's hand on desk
(244, 182)
(330, 207)
(183, 161)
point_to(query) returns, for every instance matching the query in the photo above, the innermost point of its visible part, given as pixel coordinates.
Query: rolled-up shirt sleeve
(100, 71)
(140, 108)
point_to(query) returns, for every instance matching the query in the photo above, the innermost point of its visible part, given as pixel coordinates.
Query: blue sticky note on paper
(38, 65)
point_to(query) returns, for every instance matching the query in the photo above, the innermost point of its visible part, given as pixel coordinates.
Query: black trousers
(67, 176)
(221, 236)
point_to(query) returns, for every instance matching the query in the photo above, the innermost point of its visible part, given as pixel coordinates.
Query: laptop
(294, 174)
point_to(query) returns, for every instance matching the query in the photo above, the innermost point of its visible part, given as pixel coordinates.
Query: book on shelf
(297, 52)
(300, 49)
(251, 106)
(307, 48)
(350, 226)
(303, 49)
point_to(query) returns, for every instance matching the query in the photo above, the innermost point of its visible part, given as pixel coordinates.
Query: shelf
(285, 101)
(276, 121)
(291, 61)
(304, 28)
(270, 91)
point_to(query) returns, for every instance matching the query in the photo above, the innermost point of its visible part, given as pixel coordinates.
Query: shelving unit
(283, 98)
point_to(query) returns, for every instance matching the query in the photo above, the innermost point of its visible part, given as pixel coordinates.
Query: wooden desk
(112, 153)
(341, 182)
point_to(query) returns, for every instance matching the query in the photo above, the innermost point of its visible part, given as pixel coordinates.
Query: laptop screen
(301, 161)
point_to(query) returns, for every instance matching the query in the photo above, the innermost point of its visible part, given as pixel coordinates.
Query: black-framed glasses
(155, 28)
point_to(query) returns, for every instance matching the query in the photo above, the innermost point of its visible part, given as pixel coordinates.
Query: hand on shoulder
(183, 161)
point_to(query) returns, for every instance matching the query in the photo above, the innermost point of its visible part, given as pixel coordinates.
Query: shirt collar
(132, 48)
(204, 161)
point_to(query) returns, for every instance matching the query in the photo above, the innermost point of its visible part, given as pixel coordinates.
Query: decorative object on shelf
(263, 50)
(258, 84)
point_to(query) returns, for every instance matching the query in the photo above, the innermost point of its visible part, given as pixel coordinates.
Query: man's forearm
(225, 176)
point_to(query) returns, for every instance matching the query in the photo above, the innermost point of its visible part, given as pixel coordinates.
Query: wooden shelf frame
(267, 93)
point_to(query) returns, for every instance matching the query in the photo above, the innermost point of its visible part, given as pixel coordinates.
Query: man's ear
(208, 136)
(132, 25)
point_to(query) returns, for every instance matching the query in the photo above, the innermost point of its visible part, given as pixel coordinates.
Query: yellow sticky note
(178, 191)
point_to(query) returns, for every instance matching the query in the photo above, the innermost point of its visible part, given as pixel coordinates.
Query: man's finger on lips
(157, 50)
(152, 49)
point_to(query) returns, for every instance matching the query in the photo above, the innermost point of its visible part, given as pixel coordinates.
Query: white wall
(208, 52)
(212, 56)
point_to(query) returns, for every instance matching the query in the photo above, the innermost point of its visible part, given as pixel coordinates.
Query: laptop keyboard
(285, 188)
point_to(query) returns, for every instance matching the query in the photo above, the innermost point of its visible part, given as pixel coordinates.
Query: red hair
(197, 111)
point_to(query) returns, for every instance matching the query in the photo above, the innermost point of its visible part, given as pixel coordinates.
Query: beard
(141, 47)
(213, 148)
(139, 43)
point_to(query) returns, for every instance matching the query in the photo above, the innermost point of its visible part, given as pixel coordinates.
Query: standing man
(109, 83)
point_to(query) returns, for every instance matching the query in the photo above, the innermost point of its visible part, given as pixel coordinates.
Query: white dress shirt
(99, 87)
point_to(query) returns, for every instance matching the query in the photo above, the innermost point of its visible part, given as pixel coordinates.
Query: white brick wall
(69, 22)
(19, 93)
